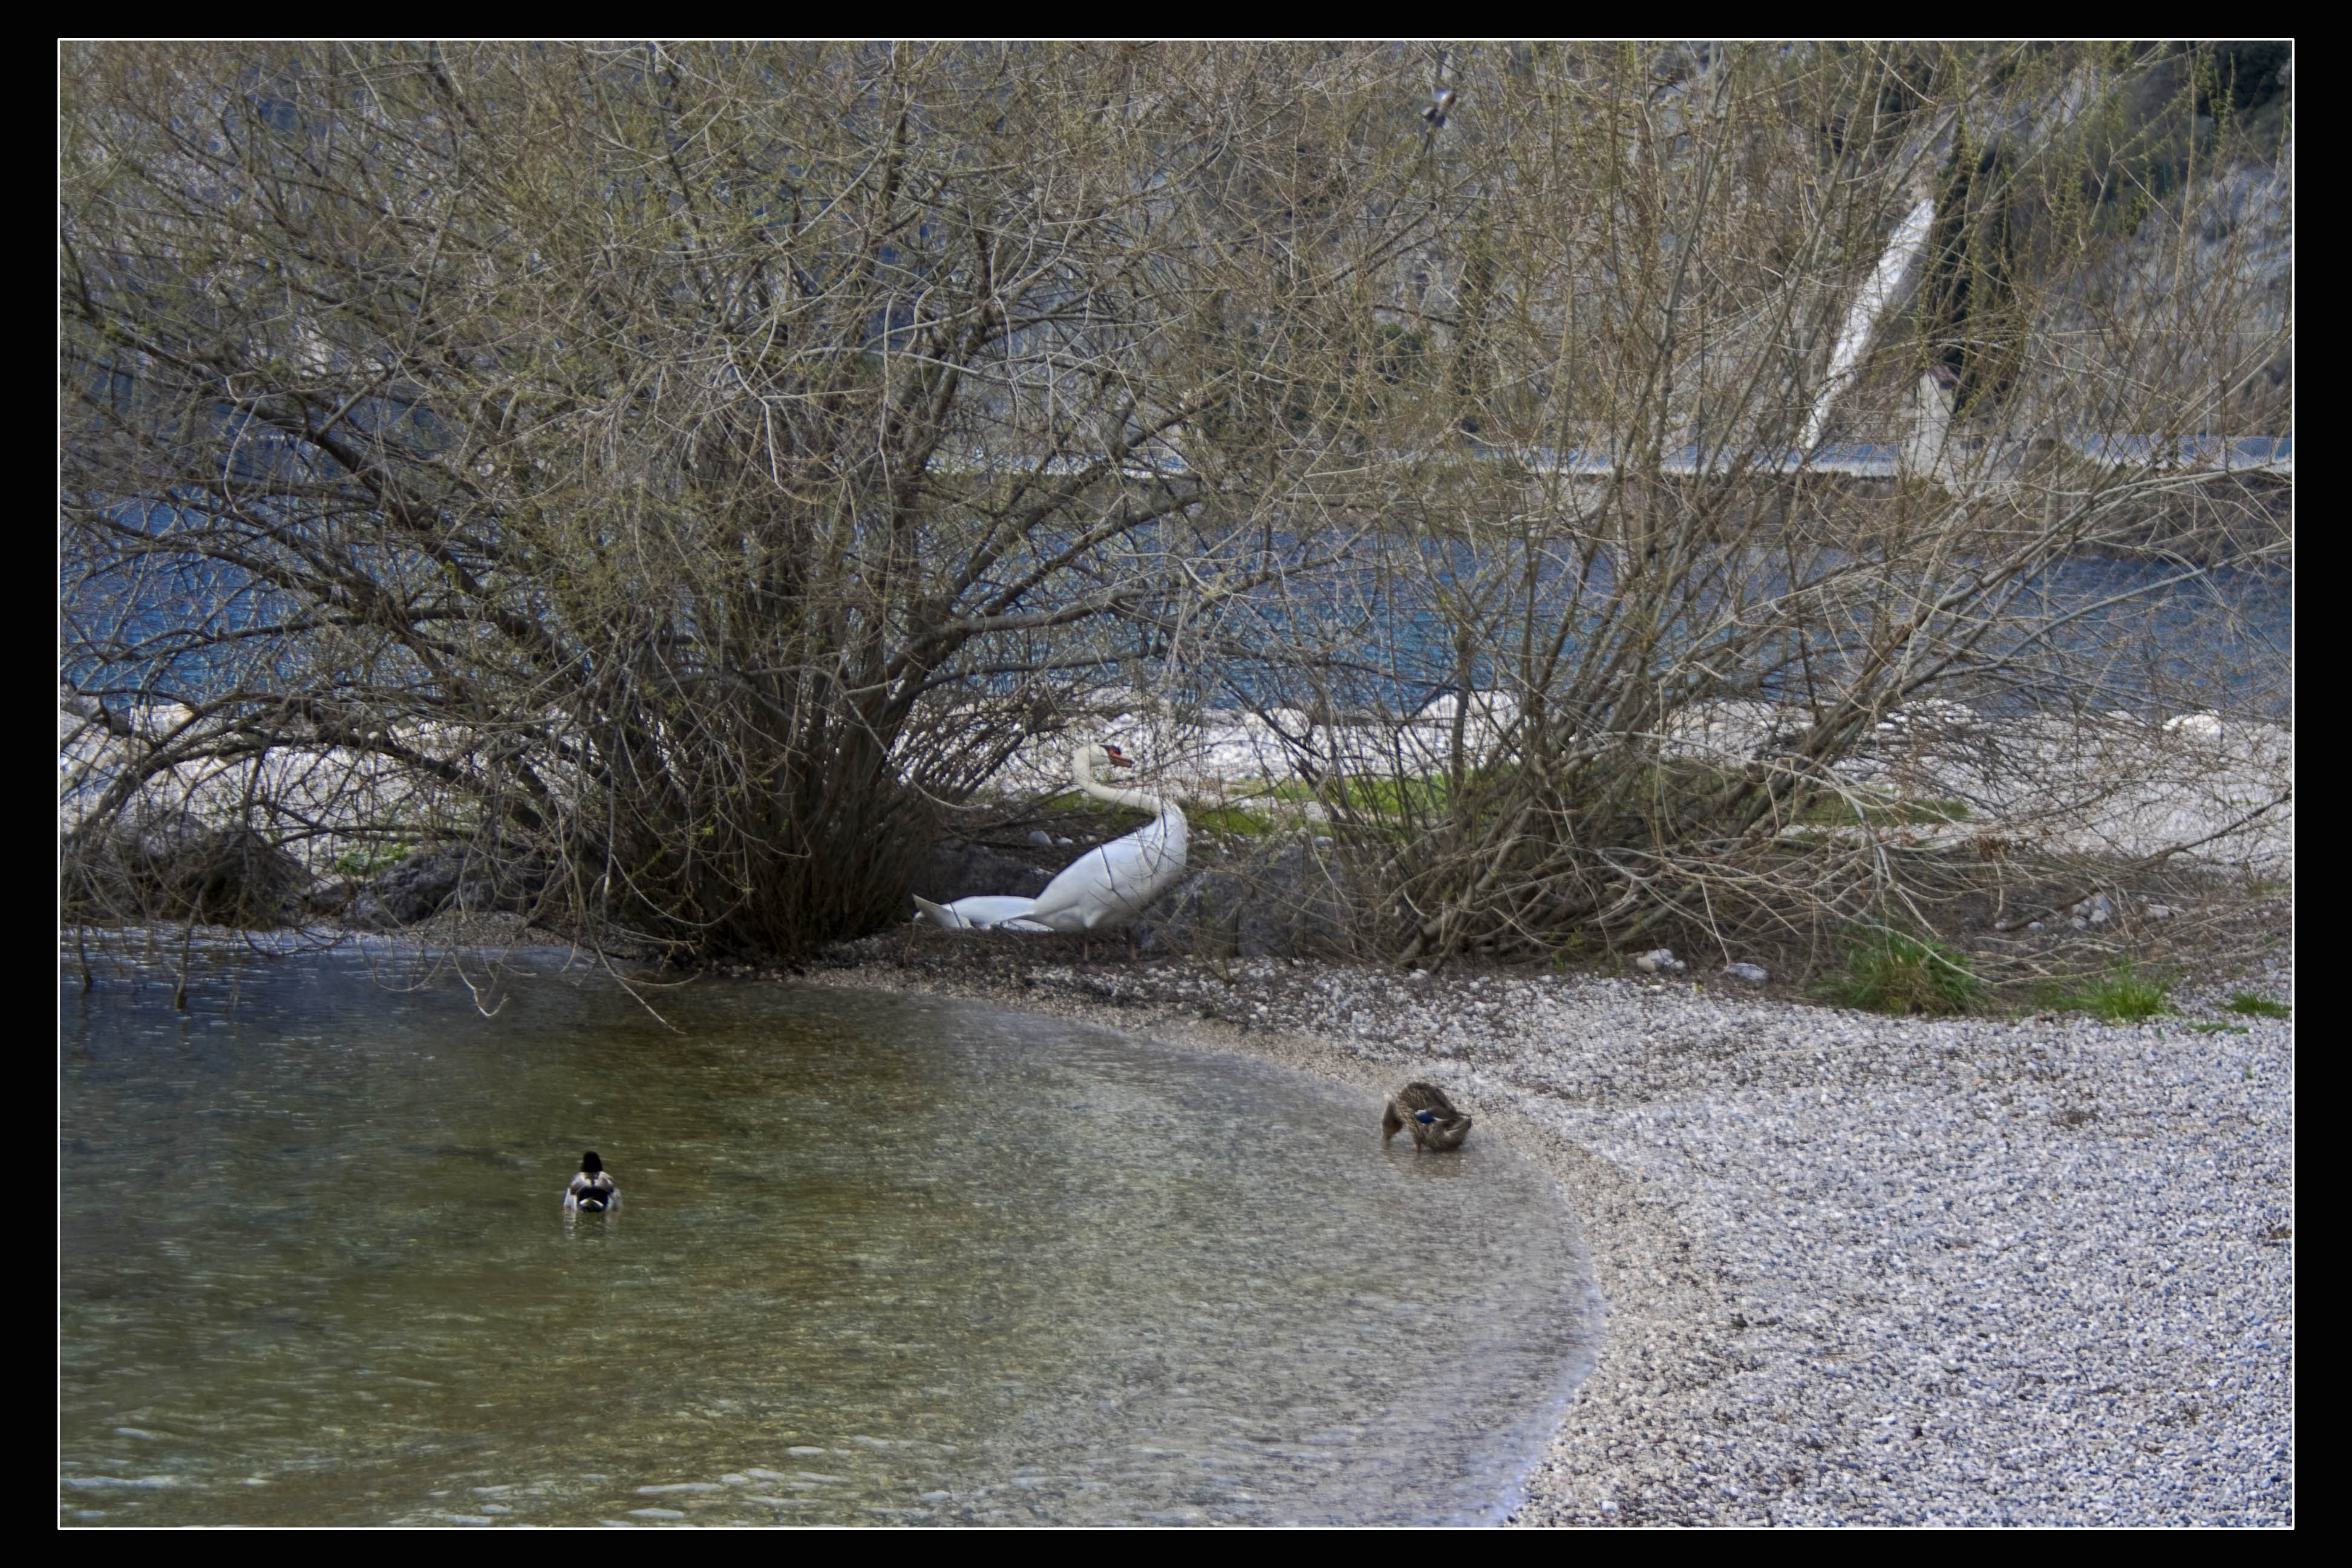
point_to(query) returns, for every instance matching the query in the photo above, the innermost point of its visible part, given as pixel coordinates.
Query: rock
(1940, 715)
(1040, 837)
(460, 876)
(1272, 905)
(2092, 912)
(411, 891)
(2035, 925)
(2161, 911)
(221, 876)
(2196, 726)
(240, 877)
(1754, 975)
(958, 870)
(1660, 961)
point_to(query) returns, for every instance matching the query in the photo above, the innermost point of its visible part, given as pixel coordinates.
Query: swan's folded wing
(980, 912)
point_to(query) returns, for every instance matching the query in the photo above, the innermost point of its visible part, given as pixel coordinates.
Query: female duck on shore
(591, 1191)
(1423, 1108)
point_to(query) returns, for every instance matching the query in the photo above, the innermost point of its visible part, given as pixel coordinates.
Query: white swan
(1103, 888)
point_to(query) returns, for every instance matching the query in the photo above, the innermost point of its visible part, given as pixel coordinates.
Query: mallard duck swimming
(1423, 1108)
(591, 1191)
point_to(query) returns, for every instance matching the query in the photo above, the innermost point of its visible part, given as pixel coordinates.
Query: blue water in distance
(2133, 634)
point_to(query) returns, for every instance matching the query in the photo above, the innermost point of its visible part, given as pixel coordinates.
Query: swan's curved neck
(1134, 799)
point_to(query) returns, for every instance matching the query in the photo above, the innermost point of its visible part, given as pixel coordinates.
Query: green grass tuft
(367, 862)
(1229, 821)
(1877, 811)
(1888, 971)
(2254, 1006)
(2126, 994)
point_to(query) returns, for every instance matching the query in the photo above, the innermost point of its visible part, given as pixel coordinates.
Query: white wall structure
(1887, 290)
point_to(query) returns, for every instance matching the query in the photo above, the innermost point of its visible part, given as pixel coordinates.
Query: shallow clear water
(880, 1258)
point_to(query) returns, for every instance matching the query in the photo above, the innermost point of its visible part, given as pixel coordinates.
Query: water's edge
(1629, 1225)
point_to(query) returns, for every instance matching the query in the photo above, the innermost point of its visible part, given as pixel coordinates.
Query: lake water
(1369, 631)
(880, 1259)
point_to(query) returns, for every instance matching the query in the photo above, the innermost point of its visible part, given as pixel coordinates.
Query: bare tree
(1688, 672)
(677, 474)
(630, 447)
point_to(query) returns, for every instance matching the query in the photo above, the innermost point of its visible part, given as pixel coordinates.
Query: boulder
(451, 877)
(221, 876)
(958, 868)
(406, 893)
(1282, 902)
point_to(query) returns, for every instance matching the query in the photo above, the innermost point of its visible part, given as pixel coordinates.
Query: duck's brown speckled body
(1433, 1120)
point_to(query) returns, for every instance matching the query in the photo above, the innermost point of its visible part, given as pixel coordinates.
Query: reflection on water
(883, 1258)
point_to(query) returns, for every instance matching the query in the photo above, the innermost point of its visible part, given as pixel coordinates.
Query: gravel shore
(1858, 1269)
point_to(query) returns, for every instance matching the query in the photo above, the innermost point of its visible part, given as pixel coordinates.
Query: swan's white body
(1103, 888)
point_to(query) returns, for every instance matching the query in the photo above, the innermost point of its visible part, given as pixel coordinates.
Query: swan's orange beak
(1118, 759)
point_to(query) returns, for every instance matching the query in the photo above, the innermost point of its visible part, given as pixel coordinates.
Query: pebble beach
(1855, 1269)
